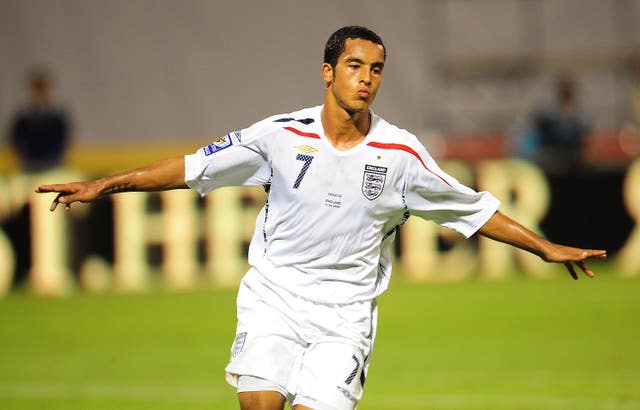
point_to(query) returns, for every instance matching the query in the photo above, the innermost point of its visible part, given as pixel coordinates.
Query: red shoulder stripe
(408, 149)
(302, 133)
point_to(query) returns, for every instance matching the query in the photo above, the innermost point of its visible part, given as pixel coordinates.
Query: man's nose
(366, 77)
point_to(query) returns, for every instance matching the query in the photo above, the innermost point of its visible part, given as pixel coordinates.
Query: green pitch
(518, 344)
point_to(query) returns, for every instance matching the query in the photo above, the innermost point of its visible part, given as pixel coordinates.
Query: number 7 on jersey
(307, 161)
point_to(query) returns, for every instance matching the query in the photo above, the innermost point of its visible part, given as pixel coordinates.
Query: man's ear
(327, 73)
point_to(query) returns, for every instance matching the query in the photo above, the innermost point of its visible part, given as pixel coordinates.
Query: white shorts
(316, 355)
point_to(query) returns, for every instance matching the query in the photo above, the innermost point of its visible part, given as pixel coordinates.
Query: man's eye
(353, 66)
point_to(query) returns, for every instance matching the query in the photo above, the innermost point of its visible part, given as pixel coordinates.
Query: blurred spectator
(556, 131)
(39, 132)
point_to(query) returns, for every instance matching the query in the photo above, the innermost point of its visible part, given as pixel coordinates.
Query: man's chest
(314, 174)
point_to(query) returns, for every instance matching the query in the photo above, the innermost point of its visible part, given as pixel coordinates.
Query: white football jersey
(325, 232)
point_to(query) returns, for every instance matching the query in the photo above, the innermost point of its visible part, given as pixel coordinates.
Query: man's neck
(343, 129)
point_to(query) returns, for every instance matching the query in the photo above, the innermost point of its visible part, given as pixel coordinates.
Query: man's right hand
(159, 176)
(72, 192)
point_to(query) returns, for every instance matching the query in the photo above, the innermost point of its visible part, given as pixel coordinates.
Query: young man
(340, 181)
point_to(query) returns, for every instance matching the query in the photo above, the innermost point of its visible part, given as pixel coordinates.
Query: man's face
(355, 79)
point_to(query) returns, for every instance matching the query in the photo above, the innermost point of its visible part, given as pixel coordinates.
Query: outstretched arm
(504, 229)
(162, 175)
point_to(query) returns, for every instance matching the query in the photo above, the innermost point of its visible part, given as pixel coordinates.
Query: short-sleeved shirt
(324, 233)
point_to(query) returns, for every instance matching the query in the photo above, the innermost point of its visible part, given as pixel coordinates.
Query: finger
(51, 188)
(66, 200)
(55, 203)
(571, 270)
(597, 254)
(585, 269)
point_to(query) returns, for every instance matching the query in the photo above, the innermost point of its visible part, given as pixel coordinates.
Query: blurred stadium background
(129, 303)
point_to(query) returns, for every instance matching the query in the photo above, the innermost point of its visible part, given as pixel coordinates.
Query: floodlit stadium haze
(130, 302)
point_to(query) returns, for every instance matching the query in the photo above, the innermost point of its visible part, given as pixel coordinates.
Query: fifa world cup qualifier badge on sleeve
(219, 144)
(373, 181)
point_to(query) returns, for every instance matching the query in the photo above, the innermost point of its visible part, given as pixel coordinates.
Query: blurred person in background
(39, 135)
(556, 130)
(40, 130)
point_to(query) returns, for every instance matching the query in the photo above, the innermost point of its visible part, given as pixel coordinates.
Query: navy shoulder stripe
(305, 121)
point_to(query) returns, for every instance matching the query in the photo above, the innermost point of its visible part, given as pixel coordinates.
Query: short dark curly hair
(335, 44)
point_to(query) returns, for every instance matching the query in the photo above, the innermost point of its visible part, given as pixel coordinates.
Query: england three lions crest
(373, 181)
(238, 343)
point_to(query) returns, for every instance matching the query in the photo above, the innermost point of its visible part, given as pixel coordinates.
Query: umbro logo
(306, 149)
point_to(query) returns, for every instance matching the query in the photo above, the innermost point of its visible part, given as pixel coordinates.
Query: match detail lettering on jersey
(373, 181)
(218, 145)
(333, 201)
